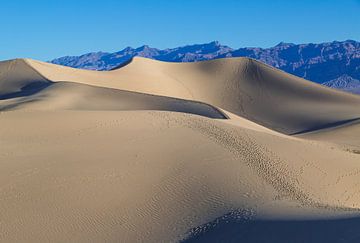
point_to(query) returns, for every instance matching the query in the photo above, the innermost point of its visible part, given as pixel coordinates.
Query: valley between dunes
(229, 150)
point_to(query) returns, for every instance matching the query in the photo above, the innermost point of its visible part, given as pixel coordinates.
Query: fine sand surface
(229, 150)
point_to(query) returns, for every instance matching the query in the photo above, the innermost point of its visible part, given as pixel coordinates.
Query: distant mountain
(345, 83)
(320, 63)
(107, 61)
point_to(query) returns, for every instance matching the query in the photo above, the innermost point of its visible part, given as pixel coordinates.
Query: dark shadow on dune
(287, 231)
(27, 90)
(123, 64)
(329, 125)
(192, 107)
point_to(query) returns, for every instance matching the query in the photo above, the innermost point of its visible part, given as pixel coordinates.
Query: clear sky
(46, 29)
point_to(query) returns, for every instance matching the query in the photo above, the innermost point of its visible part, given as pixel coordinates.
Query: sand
(215, 151)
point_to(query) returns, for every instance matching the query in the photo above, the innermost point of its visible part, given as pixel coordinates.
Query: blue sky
(45, 29)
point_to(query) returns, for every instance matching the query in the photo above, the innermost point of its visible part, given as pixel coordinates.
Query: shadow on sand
(27, 90)
(280, 231)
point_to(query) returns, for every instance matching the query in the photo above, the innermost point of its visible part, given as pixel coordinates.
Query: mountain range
(335, 64)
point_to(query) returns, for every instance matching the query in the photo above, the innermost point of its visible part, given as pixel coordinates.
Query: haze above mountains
(334, 64)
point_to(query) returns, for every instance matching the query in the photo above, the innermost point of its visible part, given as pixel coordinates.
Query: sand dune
(16, 76)
(242, 86)
(165, 152)
(345, 136)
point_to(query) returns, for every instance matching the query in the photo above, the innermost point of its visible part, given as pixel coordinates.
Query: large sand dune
(165, 152)
(242, 86)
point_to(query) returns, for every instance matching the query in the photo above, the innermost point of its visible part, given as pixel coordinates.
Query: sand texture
(229, 150)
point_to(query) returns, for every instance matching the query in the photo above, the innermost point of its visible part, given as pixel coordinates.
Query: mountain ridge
(345, 83)
(319, 63)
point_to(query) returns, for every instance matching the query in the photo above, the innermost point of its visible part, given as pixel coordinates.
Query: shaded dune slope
(73, 96)
(228, 229)
(18, 78)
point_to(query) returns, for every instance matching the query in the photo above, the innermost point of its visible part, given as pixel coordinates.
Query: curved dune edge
(74, 96)
(135, 154)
